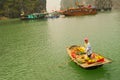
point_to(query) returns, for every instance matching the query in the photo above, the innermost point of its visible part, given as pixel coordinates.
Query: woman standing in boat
(88, 48)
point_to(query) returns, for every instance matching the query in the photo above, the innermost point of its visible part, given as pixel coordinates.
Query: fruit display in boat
(81, 49)
(80, 60)
(90, 61)
(99, 58)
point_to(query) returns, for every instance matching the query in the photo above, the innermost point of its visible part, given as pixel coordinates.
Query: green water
(36, 49)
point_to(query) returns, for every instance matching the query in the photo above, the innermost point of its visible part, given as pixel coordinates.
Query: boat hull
(79, 12)
(85, 64)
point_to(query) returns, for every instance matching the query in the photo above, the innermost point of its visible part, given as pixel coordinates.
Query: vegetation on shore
(13, 8)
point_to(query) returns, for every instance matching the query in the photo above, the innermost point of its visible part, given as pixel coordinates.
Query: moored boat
(76, 53)
(33, 16)
(54, 14)
(79, 11)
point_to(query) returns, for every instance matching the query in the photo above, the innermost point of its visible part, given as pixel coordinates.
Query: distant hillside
(13, 8)
(65, 4)
(116, 4)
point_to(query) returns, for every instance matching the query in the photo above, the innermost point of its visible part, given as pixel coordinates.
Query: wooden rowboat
(86, 64)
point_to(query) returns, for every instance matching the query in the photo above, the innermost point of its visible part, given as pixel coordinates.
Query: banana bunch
(81, 49)
(90, 61)
(99, 58)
